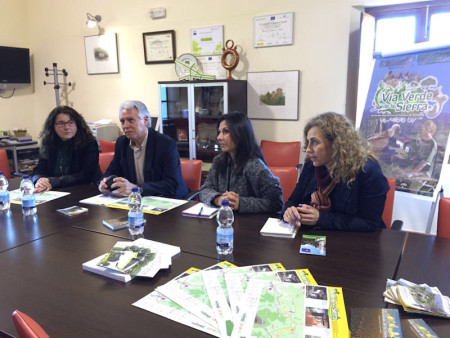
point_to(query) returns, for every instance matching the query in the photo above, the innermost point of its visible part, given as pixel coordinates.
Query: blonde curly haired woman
(341, 186)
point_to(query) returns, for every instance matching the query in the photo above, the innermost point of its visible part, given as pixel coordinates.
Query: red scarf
(325, 185)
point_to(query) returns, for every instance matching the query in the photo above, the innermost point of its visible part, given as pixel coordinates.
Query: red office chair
(192, 174)
(4, 164)
(288, 179)
(443, 223)
(104, 159)
(26, 327)
(389, 208)
(281, 154)
(389, 204)
(107, 146)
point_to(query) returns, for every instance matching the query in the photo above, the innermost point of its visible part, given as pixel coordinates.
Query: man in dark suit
(144, 157)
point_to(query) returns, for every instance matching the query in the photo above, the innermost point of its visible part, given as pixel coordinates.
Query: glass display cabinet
(189, 111)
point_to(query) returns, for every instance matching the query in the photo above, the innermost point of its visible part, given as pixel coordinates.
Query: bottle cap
(1, 172)
(134, 189)
(25, 177)
(225, 203)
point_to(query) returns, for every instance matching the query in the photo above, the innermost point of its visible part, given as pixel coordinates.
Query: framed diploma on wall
(159, 47)
(274, 30)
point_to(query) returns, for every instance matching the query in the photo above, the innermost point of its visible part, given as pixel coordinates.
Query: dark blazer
(357, 207)
(84, 167)
(162, 169)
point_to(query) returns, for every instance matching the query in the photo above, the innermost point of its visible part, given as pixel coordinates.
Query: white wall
(55, 30)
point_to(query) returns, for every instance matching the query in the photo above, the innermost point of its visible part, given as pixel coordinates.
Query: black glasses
(71, 123)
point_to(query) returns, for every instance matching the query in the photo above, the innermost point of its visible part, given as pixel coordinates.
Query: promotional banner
(406, 119)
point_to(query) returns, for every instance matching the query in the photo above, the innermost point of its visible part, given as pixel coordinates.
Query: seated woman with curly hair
(239, 174)
(68, 154)
(341, 186)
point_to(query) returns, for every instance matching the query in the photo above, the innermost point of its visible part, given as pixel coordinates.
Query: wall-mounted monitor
(14, 67)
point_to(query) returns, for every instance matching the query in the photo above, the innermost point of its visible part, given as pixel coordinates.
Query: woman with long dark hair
(68, 153)
(239, 174)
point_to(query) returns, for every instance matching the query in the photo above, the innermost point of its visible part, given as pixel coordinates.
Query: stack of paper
(259, 300)
(278, 228)
(127, 260)
(417, 298)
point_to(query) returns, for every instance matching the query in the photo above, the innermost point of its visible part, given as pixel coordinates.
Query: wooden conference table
(42, 274)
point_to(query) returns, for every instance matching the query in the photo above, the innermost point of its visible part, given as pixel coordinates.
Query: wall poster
(406, 119)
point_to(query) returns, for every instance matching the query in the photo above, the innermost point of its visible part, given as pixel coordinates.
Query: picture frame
(273, 95)
(159, 47)
(273, 30)
(101, 54)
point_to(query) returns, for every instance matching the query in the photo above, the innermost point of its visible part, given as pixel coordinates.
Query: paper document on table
(150, 204)
(259, 312)
(299, 310)
(15, 196)
(161, 305)
(102, 199)
(237, 283)
(190, 293)
(216, 293)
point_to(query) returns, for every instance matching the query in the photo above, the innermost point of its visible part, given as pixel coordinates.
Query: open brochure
(200, 210)
(273, 302)
(127, 260)
(291, 309)
(150, 204)
(15, 196)
(278, 228)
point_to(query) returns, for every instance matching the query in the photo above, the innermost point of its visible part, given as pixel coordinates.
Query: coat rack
(56, 73)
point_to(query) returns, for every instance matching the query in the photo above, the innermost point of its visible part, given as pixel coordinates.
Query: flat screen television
(14, 67)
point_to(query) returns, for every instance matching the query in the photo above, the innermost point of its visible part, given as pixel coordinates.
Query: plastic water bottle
(4, 193)
(135, 215)
(225, 232)
(28, 199)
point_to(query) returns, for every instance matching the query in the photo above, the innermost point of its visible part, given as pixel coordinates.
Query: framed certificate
(274, 30)
(159, 47)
